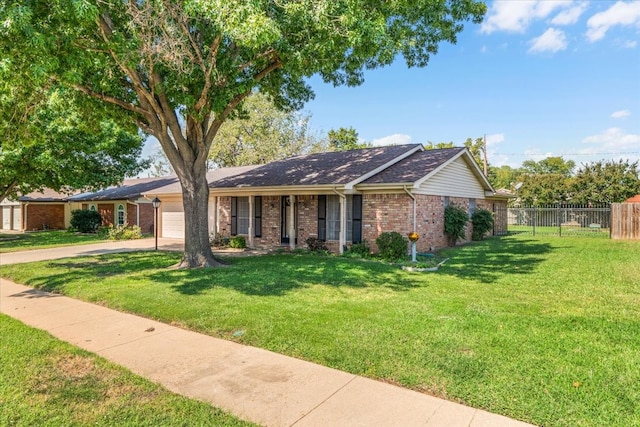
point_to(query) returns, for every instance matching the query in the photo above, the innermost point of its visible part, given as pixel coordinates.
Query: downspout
(404, 187)
(343, 221)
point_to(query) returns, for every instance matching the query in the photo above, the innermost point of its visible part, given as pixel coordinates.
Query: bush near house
(122, 232)
(482, 221)
(392, 246)
(85, 221)
(455, 221)
(237, 242)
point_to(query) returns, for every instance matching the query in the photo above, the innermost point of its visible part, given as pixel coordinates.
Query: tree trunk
(195, 196)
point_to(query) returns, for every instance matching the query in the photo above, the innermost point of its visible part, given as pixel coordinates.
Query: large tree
(344, 139)
(54, 146)
(556, 165)
(262, 133)
(180, 68)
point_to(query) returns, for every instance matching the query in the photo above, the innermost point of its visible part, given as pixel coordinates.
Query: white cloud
(551, 40)
(569, 16)
(516, 16)
(495, 139)
(621, 13)
(620, 114)
(629, 44)
(614, 140)
(395, 139)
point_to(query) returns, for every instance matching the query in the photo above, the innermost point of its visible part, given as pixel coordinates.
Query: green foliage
(122, 232)
(482, 221)
(392, 246)
(549, 165)
(316, 245)
(476, 147)
(543, 189)
(605, 182)
(261, 133)
(237, 242)
(344, 139)
(85, 220)
(359, 250)
(218, 240)
(438, 145)
(455, 222)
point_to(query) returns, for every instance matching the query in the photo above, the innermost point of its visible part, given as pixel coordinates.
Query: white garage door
(17, 218)
(172, 220)
(6, 217)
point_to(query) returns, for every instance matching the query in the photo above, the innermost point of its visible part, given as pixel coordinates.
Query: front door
(284, 220)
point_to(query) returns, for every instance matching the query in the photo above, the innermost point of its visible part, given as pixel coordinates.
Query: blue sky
(539, 77)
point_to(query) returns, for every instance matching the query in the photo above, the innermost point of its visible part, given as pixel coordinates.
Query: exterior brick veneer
(50, 216)
(147, 214)
(106, 211)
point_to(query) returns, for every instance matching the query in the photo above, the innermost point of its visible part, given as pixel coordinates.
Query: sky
(538, 78)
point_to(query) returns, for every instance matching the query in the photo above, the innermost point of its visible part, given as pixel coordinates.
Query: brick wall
(385, 212)
(131, 217)
(49, 215)
(430, 222)
(147, 214)
(307, 218)
(224, 216)
(270, 222)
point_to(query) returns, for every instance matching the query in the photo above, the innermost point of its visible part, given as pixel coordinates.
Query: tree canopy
(179, 69)
(344, 139)
(65, 152)
(261, 133)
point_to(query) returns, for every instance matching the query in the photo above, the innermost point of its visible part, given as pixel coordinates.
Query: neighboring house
(341, 197)
(118, 205)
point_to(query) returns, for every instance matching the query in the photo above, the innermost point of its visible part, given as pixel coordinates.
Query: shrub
(85, 220)
(237, 242)
(123, 232)
(316, 245)
(455, 221)
(219, 240)
(482, 221)
(360, 250)
(392, 246)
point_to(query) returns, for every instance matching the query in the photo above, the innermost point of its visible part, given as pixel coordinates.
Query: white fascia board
(350, 185)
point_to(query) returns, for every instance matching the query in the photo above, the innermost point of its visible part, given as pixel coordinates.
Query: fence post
(559, 219)
(535, 219)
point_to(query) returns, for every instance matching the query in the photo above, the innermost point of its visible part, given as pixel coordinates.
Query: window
(257, 216)
(239, 215)
(472, 207)
(92, 207)
(121, 215)
(329, 218)
(446, 201)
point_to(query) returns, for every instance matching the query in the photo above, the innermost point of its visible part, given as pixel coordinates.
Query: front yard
(543, 330)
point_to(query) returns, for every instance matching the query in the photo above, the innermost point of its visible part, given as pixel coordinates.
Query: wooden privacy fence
(625, 221)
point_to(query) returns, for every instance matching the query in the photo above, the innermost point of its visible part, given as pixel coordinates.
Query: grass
(46, 382)
(43, 240)
(566, 231)
(543, 330)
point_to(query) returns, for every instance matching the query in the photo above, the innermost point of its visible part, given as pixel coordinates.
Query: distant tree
(58, 148)
(476, 147)
(262, 133)
(554, 165)
(345, 139)
(437, 145)
(543, 189)
(159, 165)
(605, 182)
(504, 176)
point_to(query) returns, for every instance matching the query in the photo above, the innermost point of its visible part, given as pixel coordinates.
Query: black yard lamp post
(156, 204)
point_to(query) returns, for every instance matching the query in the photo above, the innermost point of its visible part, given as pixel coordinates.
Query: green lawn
(43, 240)
(543, 330)
(566, 231)
(45, 382)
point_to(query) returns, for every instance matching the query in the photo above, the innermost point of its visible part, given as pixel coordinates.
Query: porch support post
(291, 226)
(215, 217)
(343, 223)
(251, 219)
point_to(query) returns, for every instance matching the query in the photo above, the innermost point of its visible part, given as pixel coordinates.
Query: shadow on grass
(277, 275)
(267, 275)
(493, 258)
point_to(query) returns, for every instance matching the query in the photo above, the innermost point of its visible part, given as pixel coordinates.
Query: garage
(172, 220)
(6, 217)
(17, 217)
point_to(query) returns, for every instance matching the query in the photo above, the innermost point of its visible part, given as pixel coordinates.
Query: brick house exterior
(344, 197)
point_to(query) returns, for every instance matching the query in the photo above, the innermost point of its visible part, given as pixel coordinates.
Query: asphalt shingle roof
(414, 167)
(329, 168)
(46, 195)
(129, 189)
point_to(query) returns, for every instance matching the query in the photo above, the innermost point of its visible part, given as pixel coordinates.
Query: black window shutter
(322, 217)
(356, 222)
(234, 216)
(257, 220)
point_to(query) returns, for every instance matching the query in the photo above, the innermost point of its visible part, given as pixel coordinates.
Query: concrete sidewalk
(254, 384)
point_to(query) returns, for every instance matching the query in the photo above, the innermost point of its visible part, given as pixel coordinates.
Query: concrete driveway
(90, 249)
